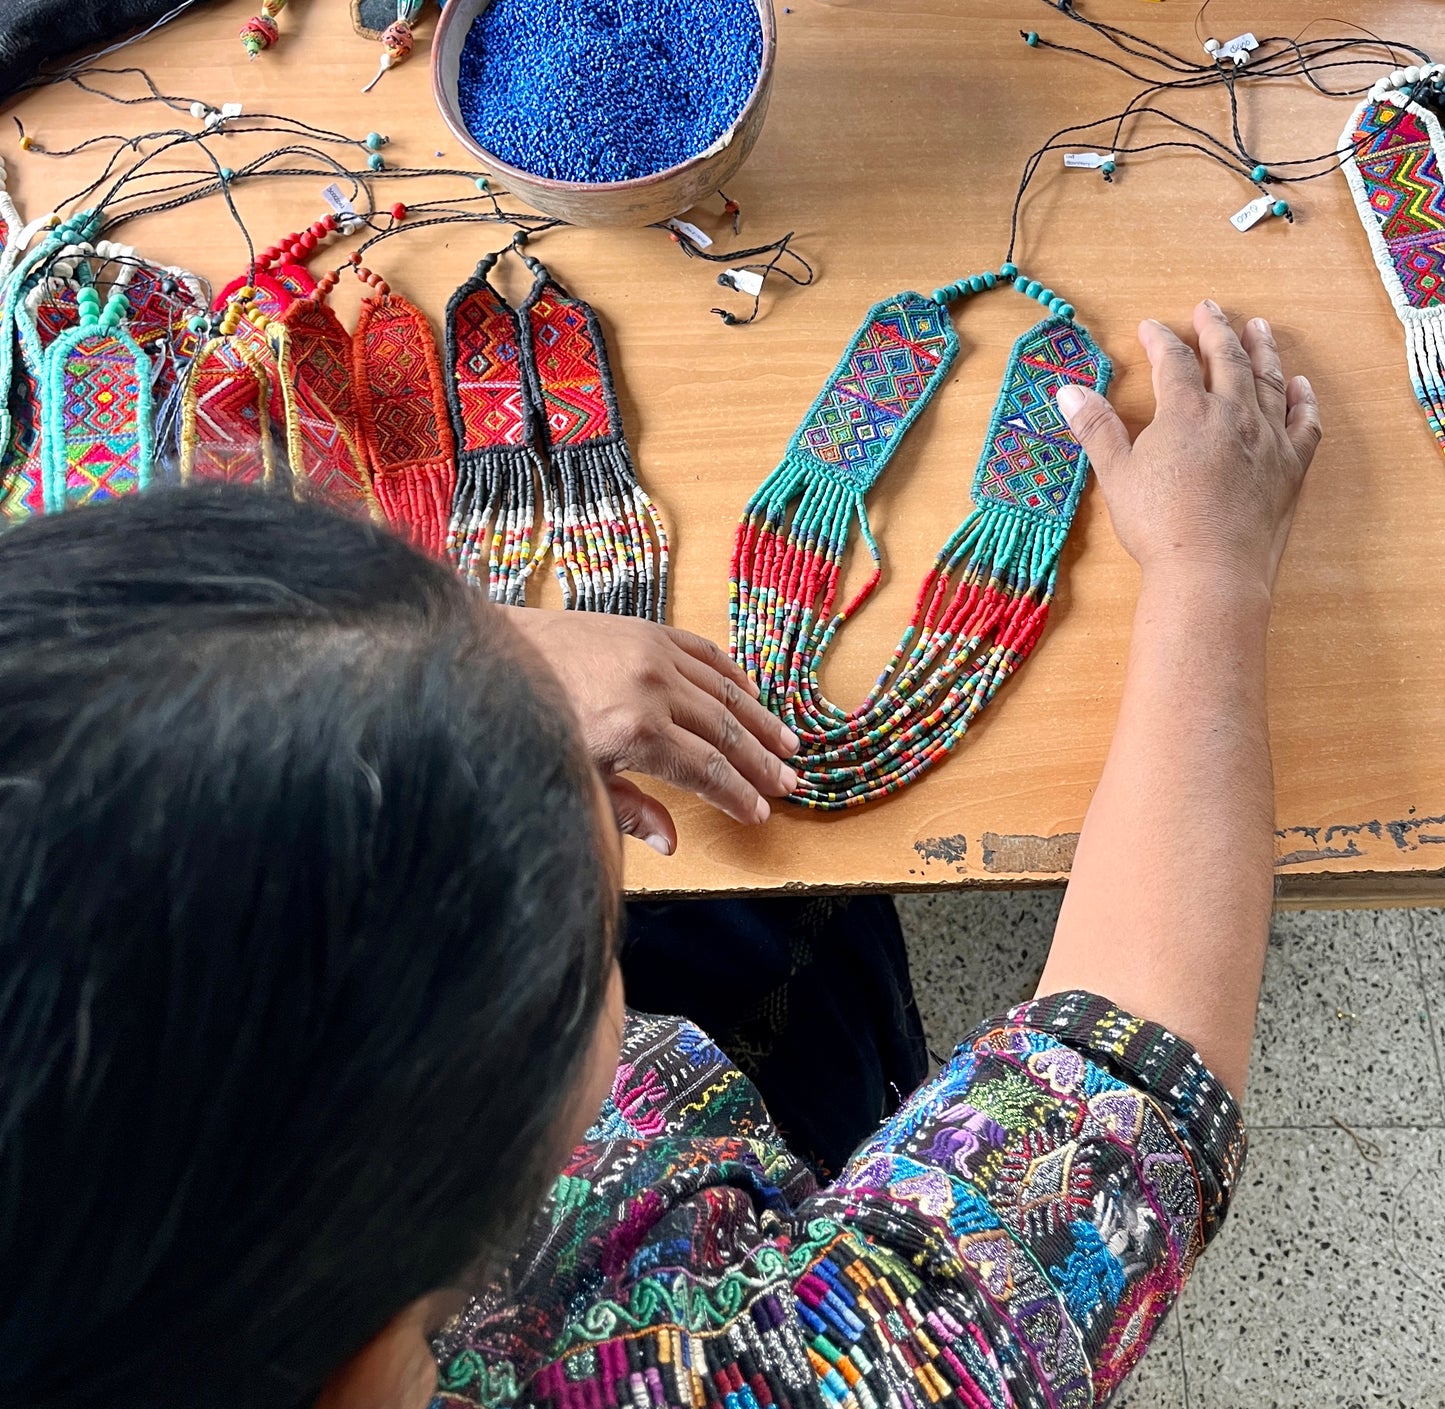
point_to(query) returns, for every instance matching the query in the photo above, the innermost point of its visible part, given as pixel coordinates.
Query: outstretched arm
(1168, 906)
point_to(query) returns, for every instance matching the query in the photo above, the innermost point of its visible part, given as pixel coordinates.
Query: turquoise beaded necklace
(983, 604)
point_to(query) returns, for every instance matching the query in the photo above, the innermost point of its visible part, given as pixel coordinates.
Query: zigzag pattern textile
(323, 427)
(1395, 175)
(535, 418)
(982, 606)
(498, 440)
(401, 397)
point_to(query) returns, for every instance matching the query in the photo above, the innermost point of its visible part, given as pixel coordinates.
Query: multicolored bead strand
(983, 605)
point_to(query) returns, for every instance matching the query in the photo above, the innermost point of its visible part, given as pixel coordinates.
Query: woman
(308, 986)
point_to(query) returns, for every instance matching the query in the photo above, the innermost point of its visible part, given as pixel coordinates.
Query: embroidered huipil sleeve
(1010, 1238)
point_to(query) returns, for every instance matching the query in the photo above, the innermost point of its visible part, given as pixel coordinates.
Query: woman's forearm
(1167, 911)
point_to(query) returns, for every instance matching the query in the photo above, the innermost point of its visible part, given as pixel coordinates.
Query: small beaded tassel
(97, 406)
(323, 435)
(609, 545)
(1395, 164)
(402, 409)
(982, 606)
(261, 31)
(396, 39)
(225, 426)
(498, 441)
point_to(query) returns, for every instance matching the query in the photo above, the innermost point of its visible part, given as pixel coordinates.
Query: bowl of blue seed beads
(606, 112)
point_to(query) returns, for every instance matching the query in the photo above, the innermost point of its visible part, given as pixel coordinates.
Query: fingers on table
(641, 815)
(1302, 418)
(691, 761)
(1175, 367)
(1269, 383)
(1228, 368)
(765, 727)
(709, 653)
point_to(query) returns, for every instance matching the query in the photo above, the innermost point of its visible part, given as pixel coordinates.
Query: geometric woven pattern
(23, 492)
(322, 432)
(884, 378)
(225, 433)
(983, 604)
(1404, 192)
(1031, 460)
(98, 416)
(403, 422)
(571, 365)
(486, 380)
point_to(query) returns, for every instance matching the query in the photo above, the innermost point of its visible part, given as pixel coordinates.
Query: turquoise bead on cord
(989, 280)
(1032, 288)
(1260, 173)
(1009, 270)
(374, 141)
(1107, 167)
(1280, 208)
(1045, 295)
(1032, 39)
(939, 296)
(1021, 284)
(376, 161)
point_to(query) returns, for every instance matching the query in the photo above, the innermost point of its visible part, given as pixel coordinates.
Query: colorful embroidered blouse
(1011, 1237)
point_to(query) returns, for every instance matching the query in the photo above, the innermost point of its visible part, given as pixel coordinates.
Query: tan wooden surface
(894, 143)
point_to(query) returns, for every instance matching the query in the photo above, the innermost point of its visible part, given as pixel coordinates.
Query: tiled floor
(1326, 1289)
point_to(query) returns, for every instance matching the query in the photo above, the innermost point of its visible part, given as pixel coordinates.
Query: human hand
(1211, 482)
(652, 699)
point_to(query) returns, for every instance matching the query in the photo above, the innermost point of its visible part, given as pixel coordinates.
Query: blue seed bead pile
(607, 90)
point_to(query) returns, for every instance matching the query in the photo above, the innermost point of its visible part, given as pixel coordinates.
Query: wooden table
(893, 148)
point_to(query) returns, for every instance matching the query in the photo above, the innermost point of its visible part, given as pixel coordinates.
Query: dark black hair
(304, 932)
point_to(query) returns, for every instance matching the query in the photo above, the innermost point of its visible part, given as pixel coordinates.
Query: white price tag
(230, 110)
(746, 281)
(1252, 214)
(699, 237)
(336, 199)
(1240, 44)
(1089, 161)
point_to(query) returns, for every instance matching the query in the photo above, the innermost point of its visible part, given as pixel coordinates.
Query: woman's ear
(395, 1368)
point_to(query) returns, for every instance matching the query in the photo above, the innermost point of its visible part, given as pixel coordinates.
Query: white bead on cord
(1408, 81)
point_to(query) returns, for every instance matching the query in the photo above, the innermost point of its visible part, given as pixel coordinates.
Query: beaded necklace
(532, 402)
(402, 408)
(96, 400)
(982, 606)
(1395, 161)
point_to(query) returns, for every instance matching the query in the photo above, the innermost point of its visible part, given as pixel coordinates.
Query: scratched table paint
(893, 147)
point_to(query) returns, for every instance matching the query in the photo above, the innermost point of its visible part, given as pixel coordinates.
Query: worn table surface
(893, 148)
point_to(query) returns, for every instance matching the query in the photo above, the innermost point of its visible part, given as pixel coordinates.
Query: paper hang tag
(1240, 44)
(336, 199)
(230, 110)
(746, 281)
(1090, 161)
(1252, 214)
(699, 237)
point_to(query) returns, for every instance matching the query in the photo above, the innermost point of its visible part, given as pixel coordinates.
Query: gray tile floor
(1327, 1286)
